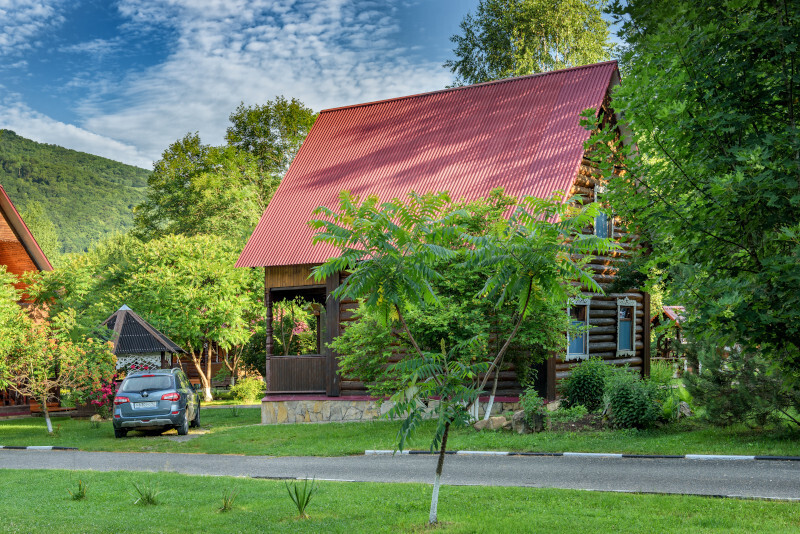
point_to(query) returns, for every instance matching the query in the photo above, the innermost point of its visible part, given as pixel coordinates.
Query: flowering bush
(103, 397)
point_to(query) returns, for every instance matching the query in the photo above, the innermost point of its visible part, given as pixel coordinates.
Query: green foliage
(631, 401)
(710, 106)
(80, 491)
(739, 386)
(272, 133)
(512, 38)
(294, 327)
(248, 389)
(586, 384)
(200, 189)
(87, 198)
(43, 230)
(532, 404)
(567, 415)
(146, 494)
(661, 372)
(301, 496)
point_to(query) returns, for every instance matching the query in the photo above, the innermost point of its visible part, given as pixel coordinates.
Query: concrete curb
(380, 452)
(38, 448)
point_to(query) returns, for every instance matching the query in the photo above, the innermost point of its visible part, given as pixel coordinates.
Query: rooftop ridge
(472, 86)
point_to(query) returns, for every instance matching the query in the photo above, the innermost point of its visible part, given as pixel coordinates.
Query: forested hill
(87, 197)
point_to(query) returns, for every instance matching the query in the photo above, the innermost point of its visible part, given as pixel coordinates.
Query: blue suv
(161, 398)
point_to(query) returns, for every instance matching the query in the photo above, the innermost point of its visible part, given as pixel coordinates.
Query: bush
(586, 384)
(662, 372)
(532, 404)
(248, 389)
(631, 401)
(567, 415)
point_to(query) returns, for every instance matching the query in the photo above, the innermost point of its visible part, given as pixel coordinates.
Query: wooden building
(136, 342)
(522, 134)
(20, 253)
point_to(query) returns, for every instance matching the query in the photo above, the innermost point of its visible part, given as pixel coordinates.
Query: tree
(38, 359)
(710, 102)
(391, 251)
(517, 37)
(200, 189)
(272, 133)
(43, 230)
(187, 287)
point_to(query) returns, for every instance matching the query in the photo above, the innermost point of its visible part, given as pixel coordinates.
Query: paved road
(745, 478)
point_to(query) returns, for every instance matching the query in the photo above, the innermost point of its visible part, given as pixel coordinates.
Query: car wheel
(184, 428)
(120, 432)
(196, 420)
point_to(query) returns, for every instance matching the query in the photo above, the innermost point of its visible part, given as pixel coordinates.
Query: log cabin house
(20, 253)
(522, 134)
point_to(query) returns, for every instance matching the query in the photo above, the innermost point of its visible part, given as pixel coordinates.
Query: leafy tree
(43, 230)
(38, 359)
(517, 37)
(200, 189)
(392, 251)
(187, 287)
(710, 103)
(272, 133)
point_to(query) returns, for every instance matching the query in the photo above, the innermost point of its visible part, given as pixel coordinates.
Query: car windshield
(134, 384)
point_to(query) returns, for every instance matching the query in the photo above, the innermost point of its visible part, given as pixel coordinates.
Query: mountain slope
(87, 197)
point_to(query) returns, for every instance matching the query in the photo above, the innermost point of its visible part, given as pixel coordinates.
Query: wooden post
(163, 360)
(646, 336)
(551, 378)
(269, 344)
(332, 377)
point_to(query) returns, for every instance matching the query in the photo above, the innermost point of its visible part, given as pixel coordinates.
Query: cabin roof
(134, 335)
(22, 233)
(522, 134)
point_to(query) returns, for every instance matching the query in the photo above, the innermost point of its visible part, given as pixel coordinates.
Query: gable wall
(12, 252)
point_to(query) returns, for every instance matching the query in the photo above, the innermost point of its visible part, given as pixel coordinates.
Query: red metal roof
(522, 134)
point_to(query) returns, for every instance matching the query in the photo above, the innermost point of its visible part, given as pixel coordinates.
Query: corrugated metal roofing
(134, 335)
(522, 134)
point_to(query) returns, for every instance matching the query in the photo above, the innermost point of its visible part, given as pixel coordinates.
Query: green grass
(40, 502)
(225, 434)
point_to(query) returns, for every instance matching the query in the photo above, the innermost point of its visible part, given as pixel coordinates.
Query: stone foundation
(318, 409)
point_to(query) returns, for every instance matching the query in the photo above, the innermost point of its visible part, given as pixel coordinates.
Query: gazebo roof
(134, 335)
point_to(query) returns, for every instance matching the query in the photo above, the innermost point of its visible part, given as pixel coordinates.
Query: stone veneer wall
(318, 410)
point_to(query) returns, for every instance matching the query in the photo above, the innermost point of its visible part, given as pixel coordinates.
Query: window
(626, 327)
(603, 222)
(578, 344)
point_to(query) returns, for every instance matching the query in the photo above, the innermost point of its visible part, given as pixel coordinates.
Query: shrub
(532, 405)
(631, 401)
(662, 372)
(248, 389)
(586, 384)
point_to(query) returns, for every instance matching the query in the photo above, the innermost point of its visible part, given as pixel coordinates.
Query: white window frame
(627, 303)
(585, 354)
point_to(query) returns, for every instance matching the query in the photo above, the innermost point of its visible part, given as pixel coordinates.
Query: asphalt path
(741, 478)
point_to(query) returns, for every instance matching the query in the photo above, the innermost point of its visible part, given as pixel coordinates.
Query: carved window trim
(627, 303)
(585, 354)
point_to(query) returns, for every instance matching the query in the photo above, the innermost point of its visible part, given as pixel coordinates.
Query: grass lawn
(41, 503)
(222, 433)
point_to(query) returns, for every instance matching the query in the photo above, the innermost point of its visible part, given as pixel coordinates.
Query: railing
(297, 374)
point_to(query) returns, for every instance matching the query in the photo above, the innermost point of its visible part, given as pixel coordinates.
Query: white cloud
(327, 53)
(28, 123)
(95, 47)
(23, 21)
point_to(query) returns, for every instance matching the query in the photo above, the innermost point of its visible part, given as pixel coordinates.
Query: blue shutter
(601, 225)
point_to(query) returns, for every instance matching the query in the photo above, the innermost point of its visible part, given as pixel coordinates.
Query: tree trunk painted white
(207, 397)
(47, 418)
(432, 517)
(494, 391)
(489, 408)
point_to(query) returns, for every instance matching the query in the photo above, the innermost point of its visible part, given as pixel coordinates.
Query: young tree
(517, 37)
(392, 251)
(711, 104)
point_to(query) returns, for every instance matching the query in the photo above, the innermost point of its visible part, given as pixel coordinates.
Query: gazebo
(137, 342)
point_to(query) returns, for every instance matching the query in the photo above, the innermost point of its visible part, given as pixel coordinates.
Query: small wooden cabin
(136, 342)
(20, 253)
(522, 134)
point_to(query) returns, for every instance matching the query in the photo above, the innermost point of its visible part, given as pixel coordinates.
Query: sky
(125, 78)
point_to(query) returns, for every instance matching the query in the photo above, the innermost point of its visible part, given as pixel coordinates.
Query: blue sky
(125, 78)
